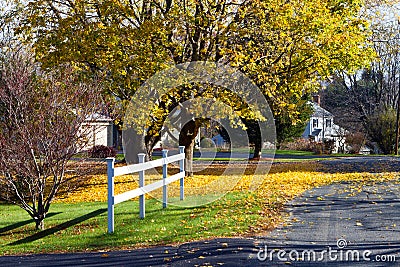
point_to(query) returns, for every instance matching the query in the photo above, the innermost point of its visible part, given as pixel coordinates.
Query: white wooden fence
(140, 192)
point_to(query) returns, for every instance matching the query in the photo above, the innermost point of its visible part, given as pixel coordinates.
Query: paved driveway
(372, 164)
(358, 228)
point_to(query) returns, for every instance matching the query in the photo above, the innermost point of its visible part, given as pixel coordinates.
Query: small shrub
(300, 144)
(317, 148)
(101, 151)
(329, 146)
(355, 141)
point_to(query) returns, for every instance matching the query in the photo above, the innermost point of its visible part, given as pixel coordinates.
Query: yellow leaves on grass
(95, 189)
(284, 182)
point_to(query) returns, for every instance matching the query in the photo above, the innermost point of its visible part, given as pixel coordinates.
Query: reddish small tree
(355, 141)
(40, 130)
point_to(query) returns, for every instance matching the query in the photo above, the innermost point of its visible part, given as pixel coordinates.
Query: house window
(315, 123)
(328, 123)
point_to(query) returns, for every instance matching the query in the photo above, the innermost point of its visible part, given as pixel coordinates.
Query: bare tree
(361, 101)
(41, 114)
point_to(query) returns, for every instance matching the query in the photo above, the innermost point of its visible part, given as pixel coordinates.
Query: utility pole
(396, 147)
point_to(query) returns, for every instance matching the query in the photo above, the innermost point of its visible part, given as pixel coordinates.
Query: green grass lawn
(294, 152)
(304, 160)
(83, 226)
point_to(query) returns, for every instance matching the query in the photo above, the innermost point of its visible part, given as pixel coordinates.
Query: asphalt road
(362, 222)
(372, 164)
(333, 225)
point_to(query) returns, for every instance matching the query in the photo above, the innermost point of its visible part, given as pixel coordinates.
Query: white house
(170, 138)
(100, 130)
(321, 127)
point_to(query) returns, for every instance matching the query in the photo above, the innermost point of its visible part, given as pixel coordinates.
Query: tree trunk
(133, 144)
(39, 216)
(39, 223)
(257, 150)
(150, 142)
(187, 138)
(41, 211)
(189, 158)
(254, 133)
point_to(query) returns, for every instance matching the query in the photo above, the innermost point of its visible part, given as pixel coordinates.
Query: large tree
(41, 114)
(285, 47)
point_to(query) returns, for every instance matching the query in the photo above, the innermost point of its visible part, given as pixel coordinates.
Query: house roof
(320, 112)
(98, 117)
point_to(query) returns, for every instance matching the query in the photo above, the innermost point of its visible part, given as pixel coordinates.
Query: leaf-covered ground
(284, 182)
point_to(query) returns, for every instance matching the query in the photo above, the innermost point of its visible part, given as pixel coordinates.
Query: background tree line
(368, 100)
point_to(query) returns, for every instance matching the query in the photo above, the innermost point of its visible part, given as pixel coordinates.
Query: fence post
(142, 204)
(110, 200)
(182, 169)
(164, 171)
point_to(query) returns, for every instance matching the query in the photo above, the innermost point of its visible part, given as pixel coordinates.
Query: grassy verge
(304, 160)
(83, 226)
(80, 224)
(294, 152)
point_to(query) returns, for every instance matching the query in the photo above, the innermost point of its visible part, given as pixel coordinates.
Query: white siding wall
(98, 133)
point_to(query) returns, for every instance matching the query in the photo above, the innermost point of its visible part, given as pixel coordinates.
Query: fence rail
(143, 189)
